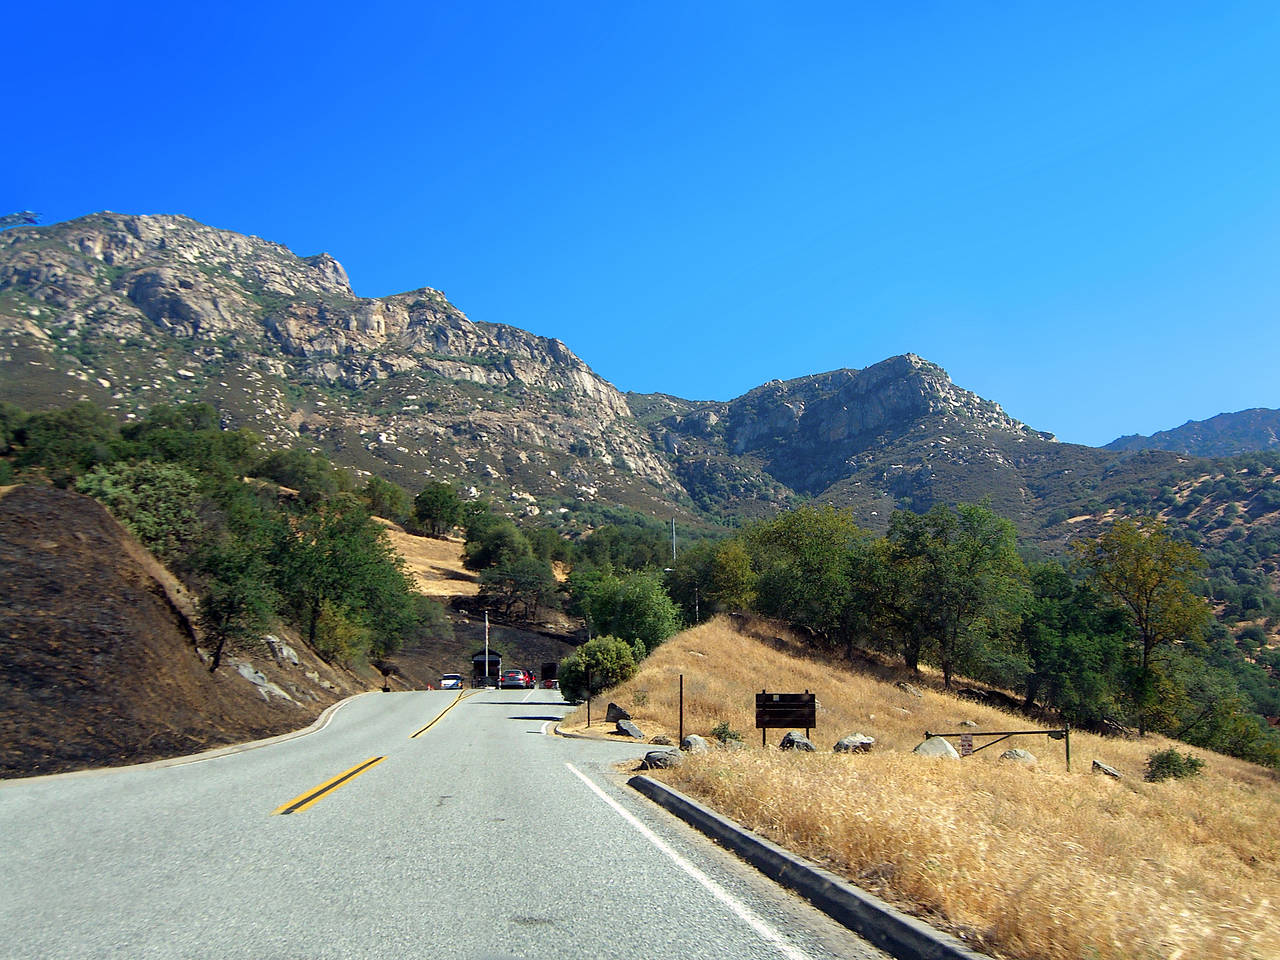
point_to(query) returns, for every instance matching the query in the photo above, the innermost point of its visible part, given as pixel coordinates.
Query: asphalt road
(481, 837)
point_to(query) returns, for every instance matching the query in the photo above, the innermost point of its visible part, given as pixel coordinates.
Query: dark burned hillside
(98, 666)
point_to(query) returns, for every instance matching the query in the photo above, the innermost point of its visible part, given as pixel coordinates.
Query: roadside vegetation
(263, 537)
(1033, 862)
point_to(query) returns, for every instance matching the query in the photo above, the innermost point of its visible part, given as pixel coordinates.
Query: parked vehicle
(451, 681)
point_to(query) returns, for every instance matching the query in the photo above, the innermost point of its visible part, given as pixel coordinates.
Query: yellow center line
(461, 697)
(302, 801)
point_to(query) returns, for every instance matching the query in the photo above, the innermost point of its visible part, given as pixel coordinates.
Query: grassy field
(434, 564)
(1028, 862)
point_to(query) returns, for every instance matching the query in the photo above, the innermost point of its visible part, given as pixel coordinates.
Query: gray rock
(630, 729)
(1100, 767)
(1020, 756)
(733, 746)
(854, 743)
(911, 689)
(695, 744)
(937, 747)
(967, 723)
(795, 740)
(265, 686)
(661, 759)
(615, 713)
(281, 650)
(661, 740)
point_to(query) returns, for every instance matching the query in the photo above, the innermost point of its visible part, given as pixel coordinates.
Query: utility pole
(486, 647)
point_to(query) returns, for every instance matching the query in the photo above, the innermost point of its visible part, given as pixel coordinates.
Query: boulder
(1020, 756)
(797, 741)
(661, 740)
(911, 689)
(937, 747)
(661, 759)
(1100, 767)
(967, 723)
(695, 744)
(615, 713)
(282, 652)
(630, 729)
(854, 743)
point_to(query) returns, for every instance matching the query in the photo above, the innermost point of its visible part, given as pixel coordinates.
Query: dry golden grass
(435, 565)
(1025, 862)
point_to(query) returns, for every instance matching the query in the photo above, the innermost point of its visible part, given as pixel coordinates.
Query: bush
(1167, 764)
(610, 660)
(724, 733)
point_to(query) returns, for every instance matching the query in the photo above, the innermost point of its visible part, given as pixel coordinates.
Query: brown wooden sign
(785, 710)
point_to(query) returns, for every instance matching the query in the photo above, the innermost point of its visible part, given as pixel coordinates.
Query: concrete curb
(318, 724)
(893, 931)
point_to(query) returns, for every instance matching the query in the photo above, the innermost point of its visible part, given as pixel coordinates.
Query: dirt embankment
(98, 658)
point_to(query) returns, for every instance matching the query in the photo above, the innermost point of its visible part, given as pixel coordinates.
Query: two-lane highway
(413, 825)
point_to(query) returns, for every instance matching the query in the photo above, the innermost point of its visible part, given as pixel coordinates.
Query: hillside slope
(1032, 861)
(98, 661)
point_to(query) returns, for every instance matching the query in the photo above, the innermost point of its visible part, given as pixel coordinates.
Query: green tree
(386, 500)
(336, 562)
(732, 581)
(157, 502)
(634, 608)
(239, 602)
(1156, 580)
(67, 442)
(313, 476)
(965, 581)
(438, 508)
(1074, 647)
(803, 571)
(608, 660)
(518, 586)
(493, 541)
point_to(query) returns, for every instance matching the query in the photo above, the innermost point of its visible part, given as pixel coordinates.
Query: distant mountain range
(128, 311)
(1226, 435)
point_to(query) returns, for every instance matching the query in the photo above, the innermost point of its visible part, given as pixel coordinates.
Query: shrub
(1167, 764)
(724, 733)
(611, 663)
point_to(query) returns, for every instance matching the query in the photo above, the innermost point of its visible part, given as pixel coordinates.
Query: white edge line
(743, 912)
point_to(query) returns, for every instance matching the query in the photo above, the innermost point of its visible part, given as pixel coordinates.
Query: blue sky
(1073, 208)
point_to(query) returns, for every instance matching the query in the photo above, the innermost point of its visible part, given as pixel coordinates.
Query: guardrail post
(681, 708)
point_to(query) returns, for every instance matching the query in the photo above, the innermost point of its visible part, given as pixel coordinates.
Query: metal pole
(673, 539)
(486, 648)
(1066, 730)
(764, 732)
(588, 666)
(682, 708)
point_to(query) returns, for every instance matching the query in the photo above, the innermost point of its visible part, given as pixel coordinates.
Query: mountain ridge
(127, 311)
(1225, 435)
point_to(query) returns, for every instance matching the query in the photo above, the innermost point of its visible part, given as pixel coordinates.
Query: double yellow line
(304, 800)
(461, 697)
